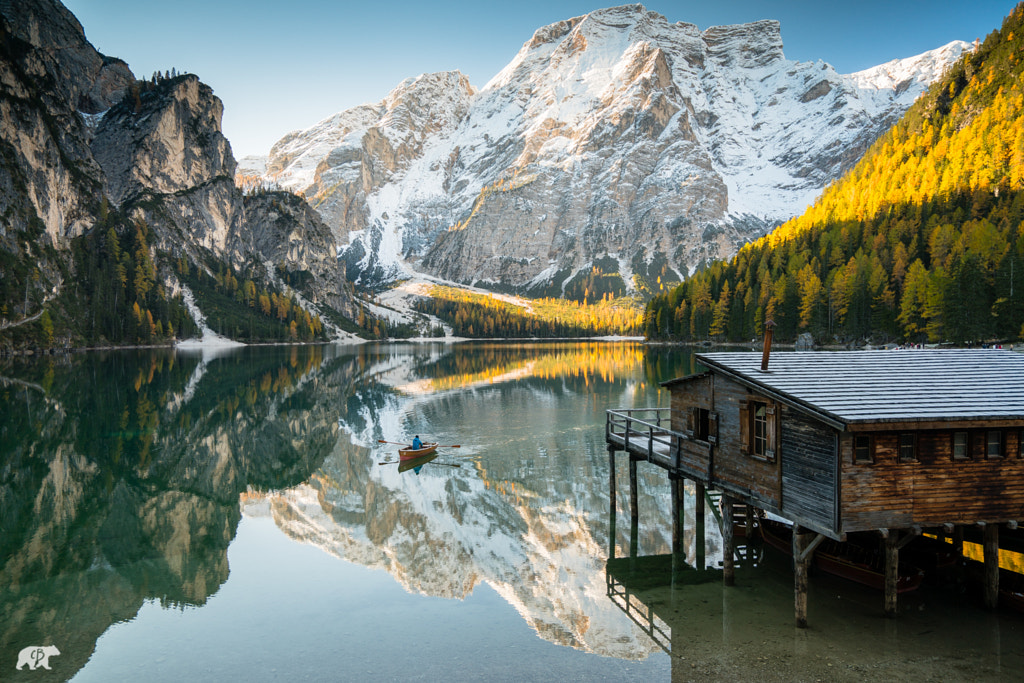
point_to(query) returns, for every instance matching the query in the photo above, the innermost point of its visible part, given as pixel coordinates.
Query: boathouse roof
(922, 385)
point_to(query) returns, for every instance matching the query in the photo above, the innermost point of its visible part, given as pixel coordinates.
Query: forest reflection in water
(150, 500)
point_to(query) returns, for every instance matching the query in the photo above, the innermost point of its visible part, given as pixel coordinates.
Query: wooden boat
(407, 464)
(409, 453)
(846, 560)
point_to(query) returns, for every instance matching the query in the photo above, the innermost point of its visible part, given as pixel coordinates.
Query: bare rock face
(614, 138)
(48, 178)
(291, 236)
(78, 134)
(165, 144)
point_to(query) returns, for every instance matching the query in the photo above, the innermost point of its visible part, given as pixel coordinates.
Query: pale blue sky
(282, 66)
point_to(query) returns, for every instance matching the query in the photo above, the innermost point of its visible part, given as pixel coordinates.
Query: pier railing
(646, 429)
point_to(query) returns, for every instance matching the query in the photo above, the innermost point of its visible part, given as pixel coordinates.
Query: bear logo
(36, 656)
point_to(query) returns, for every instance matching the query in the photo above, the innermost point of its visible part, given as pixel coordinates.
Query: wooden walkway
(645, 434)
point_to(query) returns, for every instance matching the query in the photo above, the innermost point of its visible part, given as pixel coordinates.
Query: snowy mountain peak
(613, 140)
(925, 68)
(745, 46)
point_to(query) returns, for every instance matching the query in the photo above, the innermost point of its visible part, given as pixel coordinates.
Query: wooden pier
(888, 445)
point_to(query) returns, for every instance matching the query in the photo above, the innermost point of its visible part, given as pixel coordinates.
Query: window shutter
(744, 427)
(713, 428)
(690, 419)
(773, 421)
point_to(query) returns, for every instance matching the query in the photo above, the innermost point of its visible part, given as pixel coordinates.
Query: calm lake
(233, 515)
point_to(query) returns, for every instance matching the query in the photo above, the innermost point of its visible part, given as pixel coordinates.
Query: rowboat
(847, 560)
(409, 453)
(407, 464)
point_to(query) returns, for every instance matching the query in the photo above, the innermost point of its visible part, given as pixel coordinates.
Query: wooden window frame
(988, 444)
(748, 429)
(870, 459)
(913, 447)
(967, 446)
(702, 425)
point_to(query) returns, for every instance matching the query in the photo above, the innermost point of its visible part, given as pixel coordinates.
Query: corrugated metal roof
(890, 386)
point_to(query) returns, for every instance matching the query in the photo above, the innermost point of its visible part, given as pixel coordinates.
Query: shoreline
(192, 345)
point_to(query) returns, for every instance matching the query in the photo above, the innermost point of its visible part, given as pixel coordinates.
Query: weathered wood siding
(809, 469)
(887, 493)
(756, 477)
(724, 460)
(692, 393)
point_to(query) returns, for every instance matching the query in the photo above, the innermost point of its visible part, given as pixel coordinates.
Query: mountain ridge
(921, 241)
(113, 189)
(606, 131)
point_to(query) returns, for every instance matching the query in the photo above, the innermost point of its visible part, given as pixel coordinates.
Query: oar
(395, 462)
(403, 443)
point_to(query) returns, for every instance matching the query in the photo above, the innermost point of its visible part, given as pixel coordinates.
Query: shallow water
(234, 515)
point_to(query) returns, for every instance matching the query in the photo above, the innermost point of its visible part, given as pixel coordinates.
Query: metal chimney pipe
(768, 327)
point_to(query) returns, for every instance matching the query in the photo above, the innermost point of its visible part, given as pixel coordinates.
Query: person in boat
(416, 443)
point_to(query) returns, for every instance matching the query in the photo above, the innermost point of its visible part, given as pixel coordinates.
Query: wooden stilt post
(800, 577)
(728, 543)
(677, 514)
(958, 539)
(991, 550)
(611, 474)
(698, 527)
(750, 523)
(632, 488)
(892, 563)
(634, 514)
(612, 504)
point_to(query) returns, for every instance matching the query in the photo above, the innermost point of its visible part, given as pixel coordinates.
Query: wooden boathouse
(892, 442)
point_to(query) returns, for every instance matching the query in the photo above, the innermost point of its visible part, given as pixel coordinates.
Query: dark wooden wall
(724, 462)
(691, 393)
(936, 489)
(810, 469)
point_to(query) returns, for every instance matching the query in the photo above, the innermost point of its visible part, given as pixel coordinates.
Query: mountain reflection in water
(128, 479)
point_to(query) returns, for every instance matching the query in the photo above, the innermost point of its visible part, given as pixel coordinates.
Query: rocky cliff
(86, 148)
(616, 140)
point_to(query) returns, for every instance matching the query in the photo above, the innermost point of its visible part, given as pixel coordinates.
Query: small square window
(961, 446)
(994, 443)
(908, 448)
(862, 449)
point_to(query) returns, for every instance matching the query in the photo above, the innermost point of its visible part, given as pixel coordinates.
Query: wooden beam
(892, 562)
(634, 514)
(948, 528)
(958, 539)
(924, 425)
(1012, 524)
(991, 549)
(799, 578)
(677, 515)
(728, 542)
(611, 474)
(633, 497)
(805, 554)
(698, 531)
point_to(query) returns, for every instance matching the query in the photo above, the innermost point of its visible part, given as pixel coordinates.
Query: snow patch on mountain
(611, 133)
